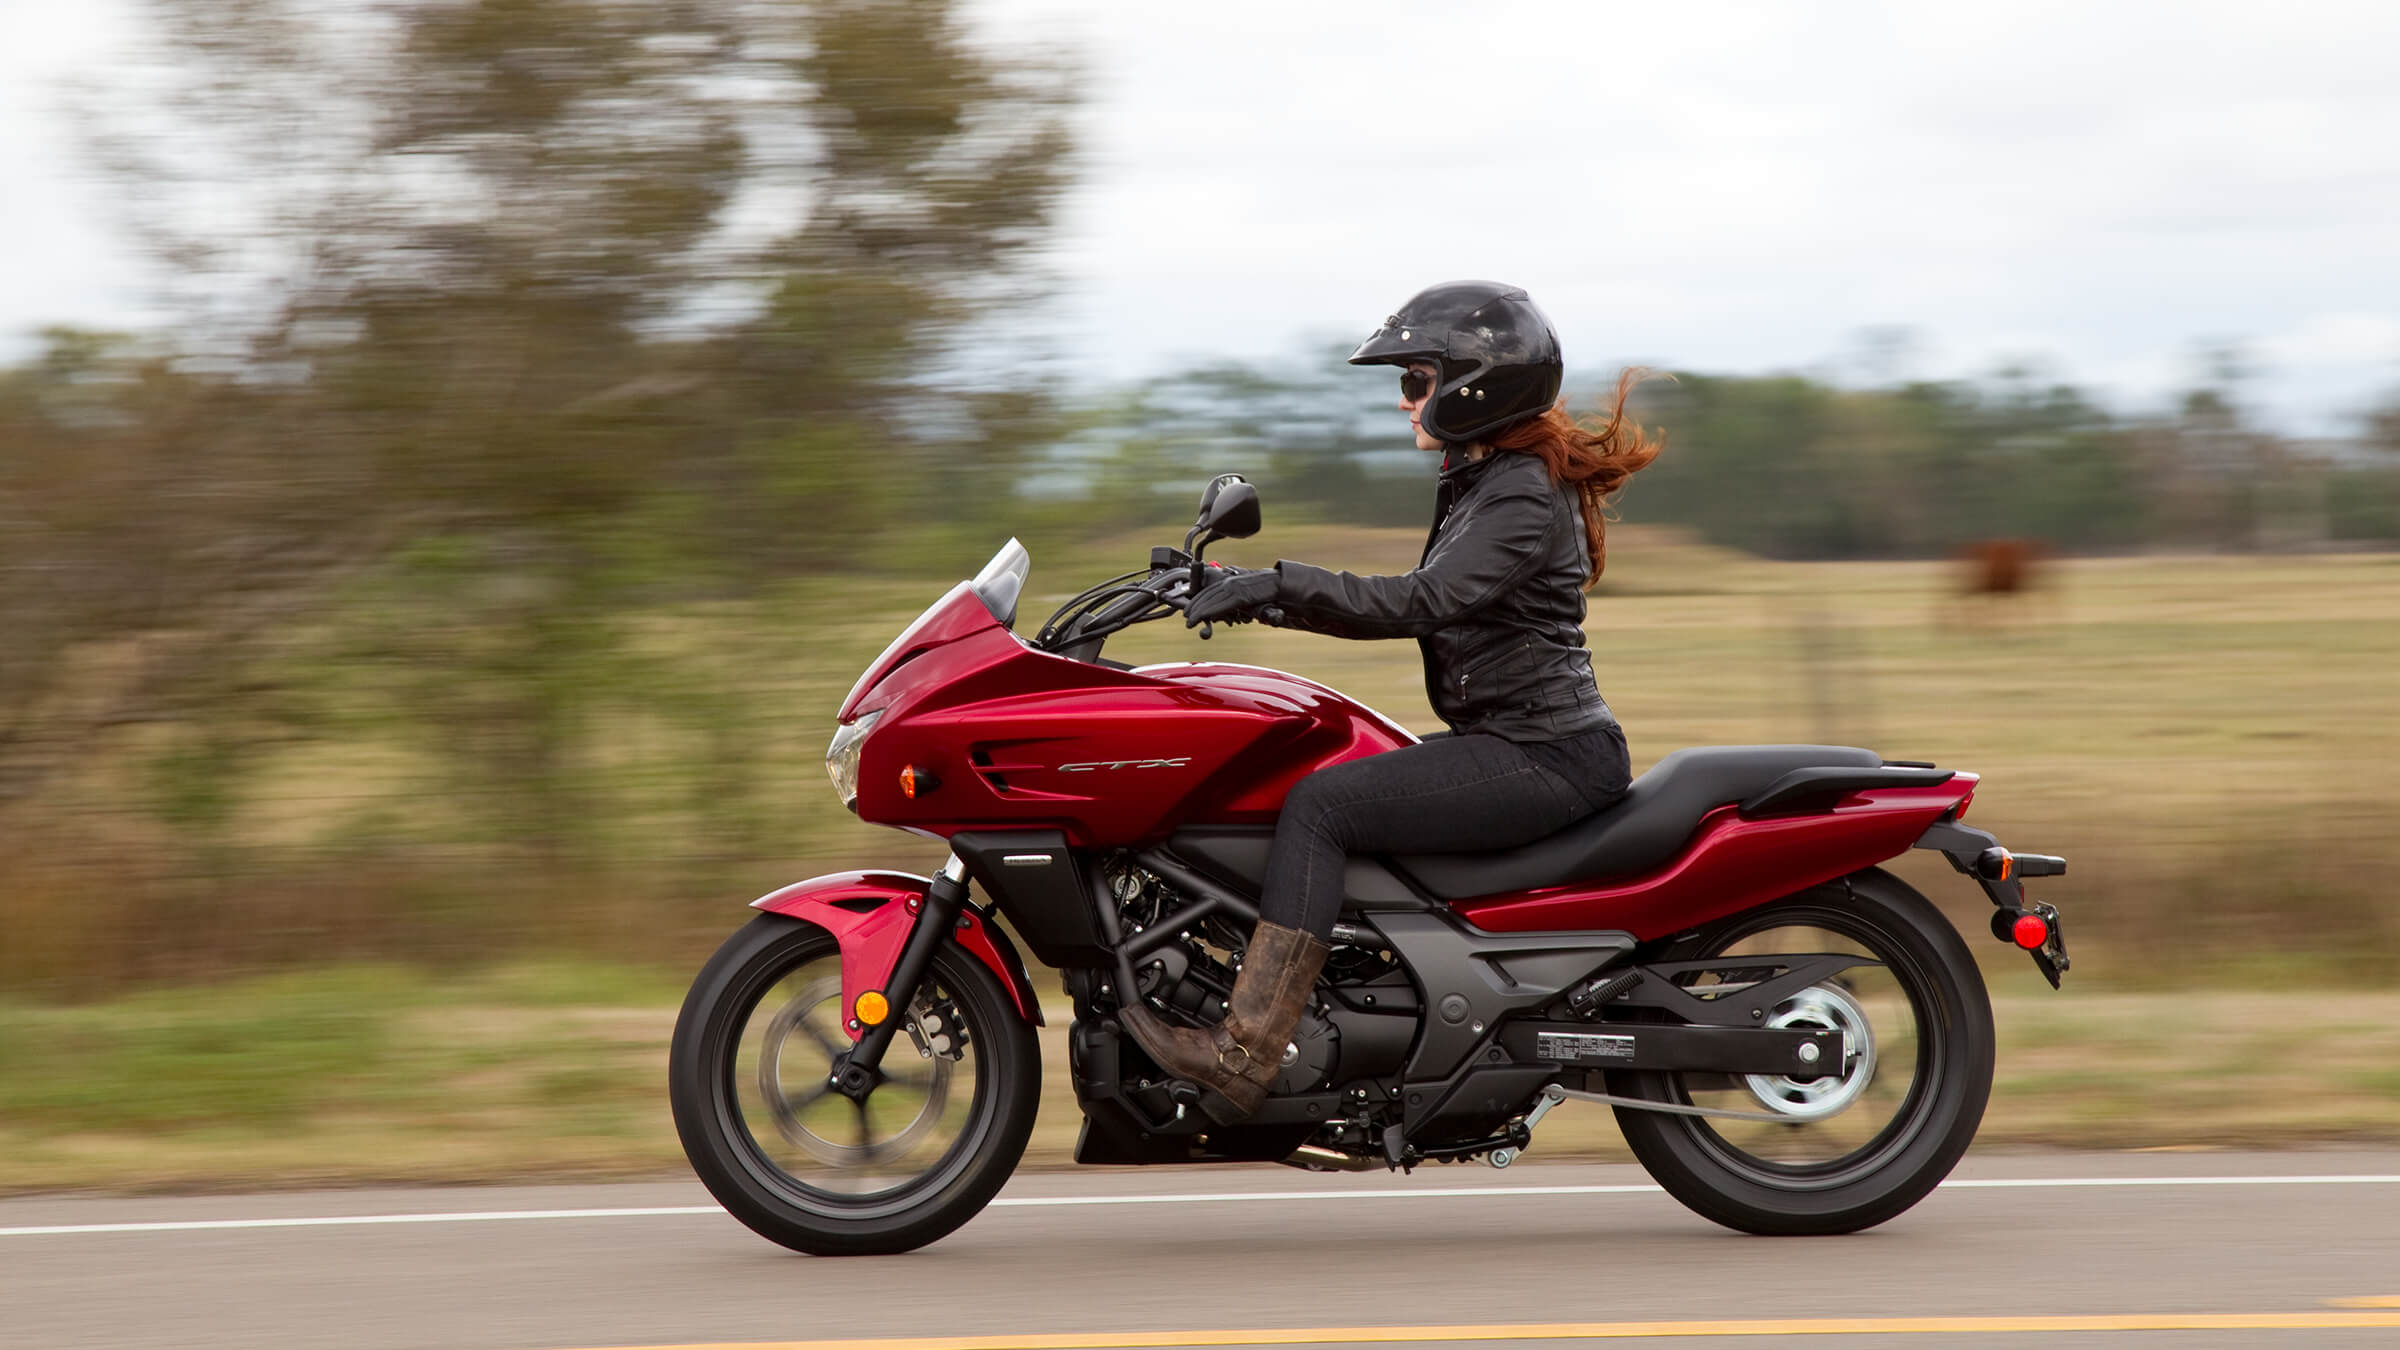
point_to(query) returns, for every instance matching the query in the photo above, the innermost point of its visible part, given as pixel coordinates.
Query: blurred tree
(509, 315)
(2381, 424)
(2363, 500)
(144, 531)
(1782, 466)
(1321, 436)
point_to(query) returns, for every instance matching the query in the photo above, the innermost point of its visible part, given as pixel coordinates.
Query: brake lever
(1182, 601)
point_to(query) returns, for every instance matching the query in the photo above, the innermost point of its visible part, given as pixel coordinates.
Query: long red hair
(1597, 459)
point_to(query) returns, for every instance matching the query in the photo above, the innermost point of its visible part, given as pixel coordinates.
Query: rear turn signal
(2030, 931)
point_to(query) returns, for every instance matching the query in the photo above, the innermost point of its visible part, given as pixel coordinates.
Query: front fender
(871, 915)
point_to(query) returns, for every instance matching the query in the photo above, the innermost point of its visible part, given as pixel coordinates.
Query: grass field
(2213, 742)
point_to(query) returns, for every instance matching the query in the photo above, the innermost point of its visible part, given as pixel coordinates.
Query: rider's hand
(1232, 598)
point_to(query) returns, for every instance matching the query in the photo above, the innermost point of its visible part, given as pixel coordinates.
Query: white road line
(347, 1220)
(1171, 1198)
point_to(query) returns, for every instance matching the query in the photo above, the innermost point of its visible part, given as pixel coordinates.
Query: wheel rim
(794, 1092)
(915, 1132)
(1831, 1129)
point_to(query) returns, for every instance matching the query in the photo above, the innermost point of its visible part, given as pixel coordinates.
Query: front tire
(1843, 1152)
(807, 1168)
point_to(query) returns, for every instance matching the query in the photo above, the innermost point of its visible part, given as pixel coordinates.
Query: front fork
(2001, 873)
(857, 1071)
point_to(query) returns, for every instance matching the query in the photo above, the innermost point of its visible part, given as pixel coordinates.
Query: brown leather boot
(1240, 1056)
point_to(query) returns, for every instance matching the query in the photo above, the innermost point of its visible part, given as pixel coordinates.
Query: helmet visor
(1397, 343)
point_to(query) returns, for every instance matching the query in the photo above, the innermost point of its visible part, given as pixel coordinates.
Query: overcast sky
(1714, 186)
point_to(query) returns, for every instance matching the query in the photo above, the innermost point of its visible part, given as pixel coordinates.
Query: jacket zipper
(1486, 662)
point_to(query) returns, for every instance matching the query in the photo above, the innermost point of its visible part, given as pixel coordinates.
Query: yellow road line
(1564, 1331)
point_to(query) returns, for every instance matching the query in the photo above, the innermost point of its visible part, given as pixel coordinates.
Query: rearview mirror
(1228, 508)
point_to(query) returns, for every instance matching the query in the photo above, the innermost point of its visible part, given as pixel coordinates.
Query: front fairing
(958, 614)
(960, 725)
(1021, 739)
(989, 600)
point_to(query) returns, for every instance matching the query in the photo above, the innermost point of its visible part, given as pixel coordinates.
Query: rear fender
(871, 915)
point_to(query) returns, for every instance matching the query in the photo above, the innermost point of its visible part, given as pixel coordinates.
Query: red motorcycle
(1792, 1039)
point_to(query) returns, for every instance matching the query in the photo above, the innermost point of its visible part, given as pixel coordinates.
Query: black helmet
(1497, 350)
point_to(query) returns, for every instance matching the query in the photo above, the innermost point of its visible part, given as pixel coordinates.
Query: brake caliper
(938, 1029)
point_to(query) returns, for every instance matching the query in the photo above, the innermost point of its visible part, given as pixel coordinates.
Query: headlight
(841, 757)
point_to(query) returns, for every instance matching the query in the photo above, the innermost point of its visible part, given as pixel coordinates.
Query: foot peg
(1186, 1096)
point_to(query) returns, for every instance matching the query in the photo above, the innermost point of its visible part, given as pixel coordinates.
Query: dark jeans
(1446, 794)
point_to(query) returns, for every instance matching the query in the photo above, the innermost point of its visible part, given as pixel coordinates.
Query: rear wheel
(802, 1164)
(1851, 1148)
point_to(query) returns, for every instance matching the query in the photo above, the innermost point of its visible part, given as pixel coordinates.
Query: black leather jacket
(1496, 603)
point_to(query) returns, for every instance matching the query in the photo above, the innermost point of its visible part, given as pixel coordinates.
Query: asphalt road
(2181, 1249)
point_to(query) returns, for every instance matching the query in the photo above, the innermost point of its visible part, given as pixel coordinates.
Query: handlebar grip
(1271, 615)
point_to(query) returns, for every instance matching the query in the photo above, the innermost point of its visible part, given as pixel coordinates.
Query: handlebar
(1270, 615)
(1114, 606)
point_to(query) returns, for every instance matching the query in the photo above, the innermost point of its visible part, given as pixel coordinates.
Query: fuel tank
(1001, 736)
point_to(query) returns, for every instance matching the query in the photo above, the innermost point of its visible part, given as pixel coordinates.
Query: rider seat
(1649, 826)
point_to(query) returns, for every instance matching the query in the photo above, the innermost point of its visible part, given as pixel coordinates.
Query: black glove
(1233, 599)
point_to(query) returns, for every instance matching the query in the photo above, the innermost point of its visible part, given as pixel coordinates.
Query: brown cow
(1989, 571)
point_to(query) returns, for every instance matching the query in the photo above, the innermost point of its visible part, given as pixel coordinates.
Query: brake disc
(1820, 1007)
(787, 1107)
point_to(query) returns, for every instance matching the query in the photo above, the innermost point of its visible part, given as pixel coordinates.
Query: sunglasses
(1415, 384)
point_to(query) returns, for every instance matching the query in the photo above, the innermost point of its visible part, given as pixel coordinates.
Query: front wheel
(803, 1165)
(1845, 1150)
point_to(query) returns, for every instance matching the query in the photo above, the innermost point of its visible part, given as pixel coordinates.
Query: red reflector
(1960, 811)
(2031, 931)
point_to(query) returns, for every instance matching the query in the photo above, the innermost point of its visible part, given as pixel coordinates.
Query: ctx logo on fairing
(1125, 764)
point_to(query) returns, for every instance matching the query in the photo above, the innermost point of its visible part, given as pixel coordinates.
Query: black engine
(1348, 1048)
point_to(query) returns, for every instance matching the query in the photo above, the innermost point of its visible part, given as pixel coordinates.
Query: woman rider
(1496, 605)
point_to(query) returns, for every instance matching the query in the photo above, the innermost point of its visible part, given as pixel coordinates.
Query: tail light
(2030, 931)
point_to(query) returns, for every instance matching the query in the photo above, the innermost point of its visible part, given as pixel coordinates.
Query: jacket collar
(1457, 468)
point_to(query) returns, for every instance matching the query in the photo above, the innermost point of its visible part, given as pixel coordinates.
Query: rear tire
(802, 1187)
(1815, 1172)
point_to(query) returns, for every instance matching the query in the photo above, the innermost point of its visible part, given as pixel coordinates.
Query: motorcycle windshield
(1002, 580)
(995, 589)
